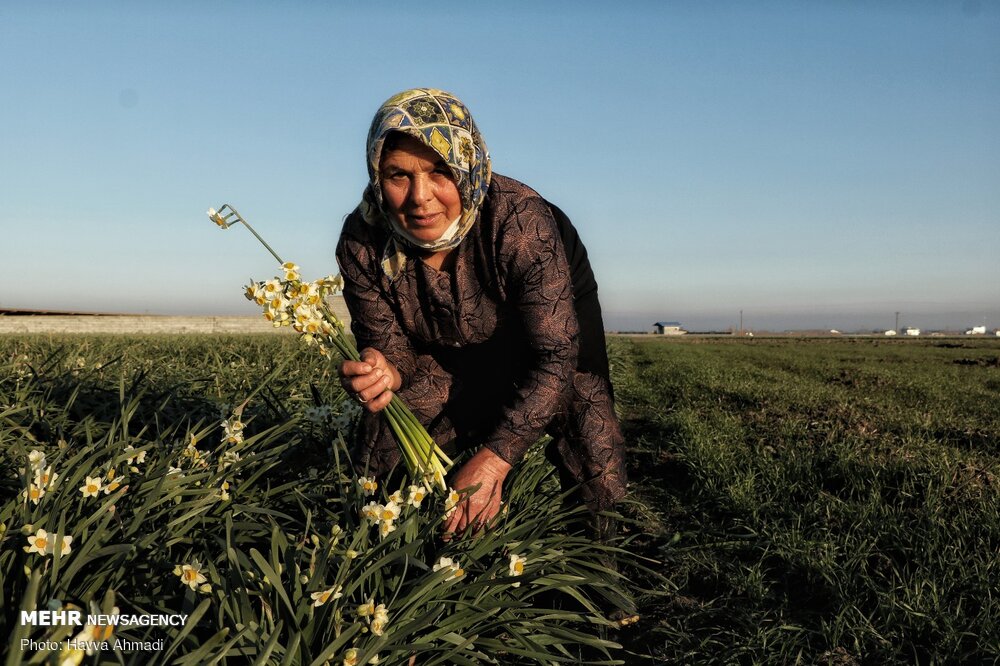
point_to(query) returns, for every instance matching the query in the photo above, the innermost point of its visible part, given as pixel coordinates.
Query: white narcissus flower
(320, 598)
(113, 485)
(277, 316)
(256, 292)
(134, 456)
(417, 495)
(380, 618)
(38, 543)
(229, 458)
(309, 294)
(35, 492)
(330, 283)
(351, 657)
(291, 270)
(386, 527)
(218, 219)
(516, 567)
(368, 485)
(191, 451)
(372, 511)
(95, 633)
(91, 487)
(397, 497)
(224, 491)
(308, 320)
(65, 548)
(271, 288)
(46, 478)
(450, 502)
(191, 575)
(233, 431)
(389, 512)
(37, 459)
(367, 609)
(448, 563)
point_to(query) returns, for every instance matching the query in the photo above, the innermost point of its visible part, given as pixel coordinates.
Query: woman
(471, 298)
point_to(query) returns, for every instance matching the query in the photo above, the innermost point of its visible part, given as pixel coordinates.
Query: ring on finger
(360, 399)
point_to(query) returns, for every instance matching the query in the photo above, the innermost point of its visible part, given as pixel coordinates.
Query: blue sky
(814, 164)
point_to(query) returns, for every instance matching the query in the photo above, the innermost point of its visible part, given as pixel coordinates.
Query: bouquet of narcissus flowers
(287, 300)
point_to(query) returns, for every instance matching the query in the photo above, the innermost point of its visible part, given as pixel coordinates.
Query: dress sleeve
(375, 322)
(535, 275)
(373, 318)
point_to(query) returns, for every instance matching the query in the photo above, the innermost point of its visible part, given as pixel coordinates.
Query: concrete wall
(148, 323)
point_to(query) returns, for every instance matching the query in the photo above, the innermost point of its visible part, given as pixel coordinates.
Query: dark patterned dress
(505, 346)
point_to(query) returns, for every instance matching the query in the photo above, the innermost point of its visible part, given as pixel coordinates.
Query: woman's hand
(371, 381)
(488, 471)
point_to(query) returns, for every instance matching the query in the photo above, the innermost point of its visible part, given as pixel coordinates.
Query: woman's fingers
(475, 511)
(451, 523)
(368, 381)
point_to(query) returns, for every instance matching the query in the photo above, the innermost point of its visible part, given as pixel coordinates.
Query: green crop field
(823, 501)
(819, 501)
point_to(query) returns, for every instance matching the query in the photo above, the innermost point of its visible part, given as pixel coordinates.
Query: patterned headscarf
(441, 122)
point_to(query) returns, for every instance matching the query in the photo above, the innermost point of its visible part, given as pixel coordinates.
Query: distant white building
(976, 330)
(890, 332)
(668, 328)
(910, 330)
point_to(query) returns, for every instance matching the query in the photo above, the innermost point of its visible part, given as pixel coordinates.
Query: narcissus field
(824, 501)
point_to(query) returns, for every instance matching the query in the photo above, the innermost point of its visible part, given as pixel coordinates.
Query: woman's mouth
(423, 220)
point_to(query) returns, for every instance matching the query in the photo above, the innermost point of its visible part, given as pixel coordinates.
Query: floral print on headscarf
(441, 122)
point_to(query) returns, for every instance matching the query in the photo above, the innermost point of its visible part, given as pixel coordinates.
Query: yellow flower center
(41, 543)
(519, 568)
(190, 575)
(91, 488)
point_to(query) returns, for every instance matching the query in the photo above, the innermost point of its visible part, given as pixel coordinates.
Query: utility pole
(897, 323)
(741, 322)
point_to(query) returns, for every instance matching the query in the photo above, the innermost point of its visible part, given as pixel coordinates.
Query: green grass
(821, 501)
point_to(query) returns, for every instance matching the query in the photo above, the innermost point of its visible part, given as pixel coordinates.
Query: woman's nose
(422, 190)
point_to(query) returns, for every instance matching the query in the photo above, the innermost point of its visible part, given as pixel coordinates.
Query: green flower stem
(421, 453)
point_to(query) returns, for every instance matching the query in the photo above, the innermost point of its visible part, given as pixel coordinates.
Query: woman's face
(418, 189)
